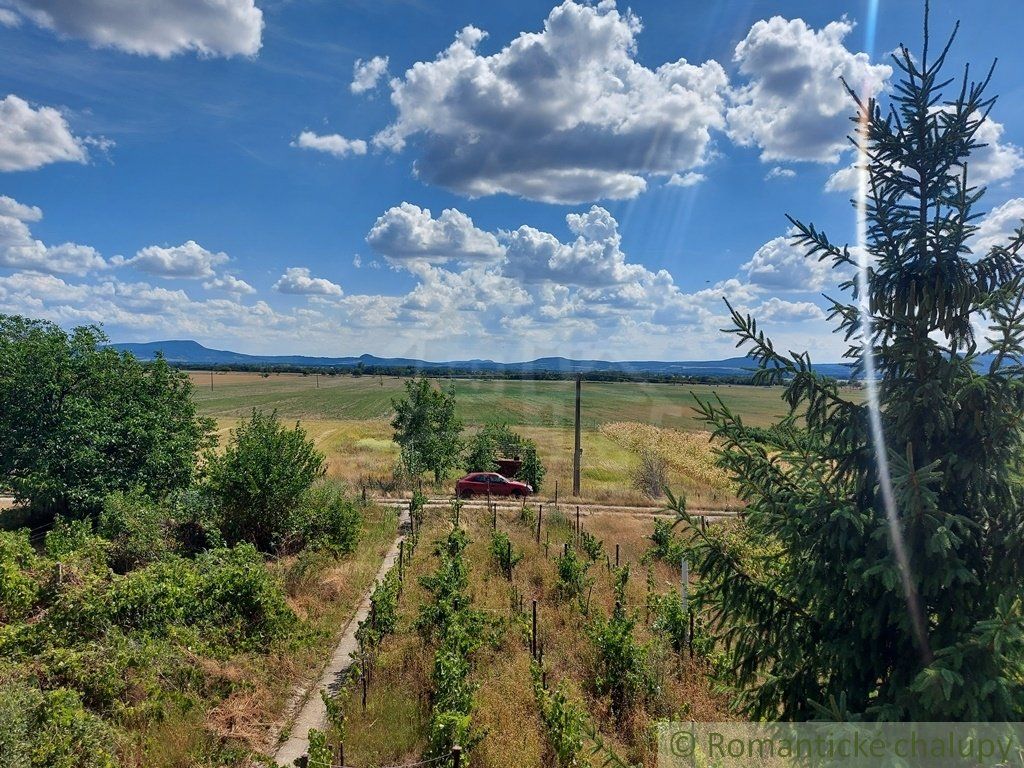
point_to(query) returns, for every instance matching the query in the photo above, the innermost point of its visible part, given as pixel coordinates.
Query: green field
(523, 403)
(348, 417)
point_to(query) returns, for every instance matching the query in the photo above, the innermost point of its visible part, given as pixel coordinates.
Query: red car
(481, 482)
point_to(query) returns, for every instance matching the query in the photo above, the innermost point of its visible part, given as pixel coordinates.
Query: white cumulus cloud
(566, 114)
(331, 143)
(20, 250)
(408, 232)
(152, 27)
(31, 138)
(779, 265)
(367, 74)
(229, 284)
(689, 179)
(189, 261)
(298, 280)
(998, 226)
(794, 106)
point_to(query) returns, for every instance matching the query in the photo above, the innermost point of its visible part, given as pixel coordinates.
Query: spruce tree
(818, 616)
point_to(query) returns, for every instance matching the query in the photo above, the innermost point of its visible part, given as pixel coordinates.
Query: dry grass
(689, 455)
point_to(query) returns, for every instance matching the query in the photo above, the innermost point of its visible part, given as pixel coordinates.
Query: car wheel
(464, 494)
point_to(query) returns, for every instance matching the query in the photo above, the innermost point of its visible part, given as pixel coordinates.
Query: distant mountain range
(187, 352)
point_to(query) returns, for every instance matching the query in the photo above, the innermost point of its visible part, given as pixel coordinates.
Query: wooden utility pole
(577, 448)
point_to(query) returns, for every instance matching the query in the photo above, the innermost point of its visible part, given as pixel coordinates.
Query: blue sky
(450, 180)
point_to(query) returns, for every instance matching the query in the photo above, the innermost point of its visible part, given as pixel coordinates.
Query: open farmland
(348, 417)
(521, 403)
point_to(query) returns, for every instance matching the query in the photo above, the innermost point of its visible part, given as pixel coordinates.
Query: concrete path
(312, 713)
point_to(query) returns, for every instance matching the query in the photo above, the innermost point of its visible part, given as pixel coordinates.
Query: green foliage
(505, 555)
(79, 420)
(572, 575)
(260, 478)
(665, 545)
(563, 720)
(383, 618)
(621, 670)
(496, 440)
(69, 536)
(829, 610)
(327, 520)
(135, 526)
(458, 631)
(592, 546)
(532, 471)
(319, 754)
(50, 729)
(426, 429)
(226, 594)
(671, 620)
(18, 587)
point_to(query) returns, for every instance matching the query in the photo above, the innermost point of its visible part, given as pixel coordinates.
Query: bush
(50, 729)
(326, 520)
(621, 662)
(505, 555)
(260, 479)
(68, 536)
(572, 575)
(196, 521)
(592, 546)
(18, 589)
(650, 474)
(240, 598)
(136, 529)
(664, 544)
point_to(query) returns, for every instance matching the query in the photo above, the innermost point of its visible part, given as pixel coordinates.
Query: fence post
(508, 552)
(577, 521)
(556, 494)
(401, 561)
(456, 756)
(533, 635)
(540, 514)
(616, 555)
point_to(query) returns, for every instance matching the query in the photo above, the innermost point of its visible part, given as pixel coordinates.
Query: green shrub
(196, 521)
(563, 720)
(18, 588)
(664, 543)
(572, 575)
(228, 595)
(621, 670)
(50, 729)
(592, 546)
(67, 537)
(136, 528)
(260, 479)
(505, 555)
(326, 520)
(671, 620)
(239, 597)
